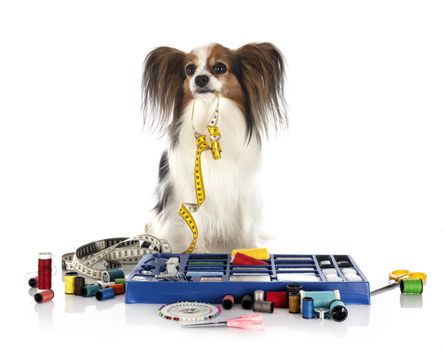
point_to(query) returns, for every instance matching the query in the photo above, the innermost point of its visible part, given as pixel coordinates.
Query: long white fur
(230, 216)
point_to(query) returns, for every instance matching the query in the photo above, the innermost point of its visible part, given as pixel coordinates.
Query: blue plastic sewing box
(209, 277)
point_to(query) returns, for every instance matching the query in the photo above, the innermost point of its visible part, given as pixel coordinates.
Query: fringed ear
(260, 69)
(162, 86)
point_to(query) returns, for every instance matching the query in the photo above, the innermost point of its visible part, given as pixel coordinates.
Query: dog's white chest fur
(230, 215)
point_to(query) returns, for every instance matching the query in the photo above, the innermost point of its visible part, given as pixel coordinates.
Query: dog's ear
(162, 85)
(260, 69)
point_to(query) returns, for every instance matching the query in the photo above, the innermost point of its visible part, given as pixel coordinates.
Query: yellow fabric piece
(258, 253)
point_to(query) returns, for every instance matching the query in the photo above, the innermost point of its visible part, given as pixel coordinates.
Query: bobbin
(33, 282)
(307, 307)
(44, 296)
(105, 294)
(79, 283)
(338, 311)
(228, 302)
(111, 275)
(247, 302)
(263, 306)
(294, 303)
(259, 295)
(90, 290)
(70, 282)
(44, 271)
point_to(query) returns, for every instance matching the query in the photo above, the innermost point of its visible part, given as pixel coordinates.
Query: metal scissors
(396, 276)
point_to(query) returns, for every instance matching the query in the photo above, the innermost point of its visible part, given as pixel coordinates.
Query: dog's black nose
(201, 80)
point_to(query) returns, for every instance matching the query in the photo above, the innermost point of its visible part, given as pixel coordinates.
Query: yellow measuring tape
(202, 144)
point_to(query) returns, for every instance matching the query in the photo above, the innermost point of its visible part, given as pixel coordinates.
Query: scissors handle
(396, 275)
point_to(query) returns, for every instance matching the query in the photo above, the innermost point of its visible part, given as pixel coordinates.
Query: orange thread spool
(118, 288)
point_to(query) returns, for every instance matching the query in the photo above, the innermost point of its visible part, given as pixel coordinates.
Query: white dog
(181, 92)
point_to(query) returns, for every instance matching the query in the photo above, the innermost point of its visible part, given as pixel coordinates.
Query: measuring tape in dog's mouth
(94, 258)
(202, 145)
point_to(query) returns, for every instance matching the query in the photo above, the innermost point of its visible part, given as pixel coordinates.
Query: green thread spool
(338, 311)
(411, 286)
(321, 299)
(90, 290)
(120, 281)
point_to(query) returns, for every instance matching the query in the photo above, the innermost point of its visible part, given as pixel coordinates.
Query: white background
(360, 170)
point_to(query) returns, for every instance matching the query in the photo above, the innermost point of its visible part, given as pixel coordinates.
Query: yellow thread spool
(294, 303)
(70, 286)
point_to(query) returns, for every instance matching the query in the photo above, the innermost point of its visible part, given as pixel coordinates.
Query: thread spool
(247, 302)
(263, 306)
(259, 295)
(294, 303)
(338, 311)
(329, 271)
(44, 271)
(90, 290)
(333, 278)
(111, 275)
(320, 298)
(118, 288)
(44, 296)
(307, 307)
(352, 277)
(411, 286)
(324, 263)
(105, 294)
(293, 288)
(70, 282)
(33, 282)
(228, 302)
(79, 283)
(104, 285)
(120, 281)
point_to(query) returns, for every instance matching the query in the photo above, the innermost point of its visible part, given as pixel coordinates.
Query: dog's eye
(190, 69)
(219, 68)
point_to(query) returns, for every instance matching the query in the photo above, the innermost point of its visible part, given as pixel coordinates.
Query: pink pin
(250, 321)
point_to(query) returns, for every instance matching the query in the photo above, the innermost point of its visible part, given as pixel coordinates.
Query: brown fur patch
(162, 88)
(231, 86)
(260, 70)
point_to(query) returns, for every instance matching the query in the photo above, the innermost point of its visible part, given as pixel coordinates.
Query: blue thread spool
(307, 307)
(90, 290)
(321, 299)
(111, 275)
(105, 294)
(338, 311)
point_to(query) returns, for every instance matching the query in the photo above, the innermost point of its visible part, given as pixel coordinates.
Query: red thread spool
(118, 288)
(44, 296)
(44, 270)
(278, 298)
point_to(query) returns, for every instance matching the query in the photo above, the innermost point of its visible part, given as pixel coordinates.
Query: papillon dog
(180, 91)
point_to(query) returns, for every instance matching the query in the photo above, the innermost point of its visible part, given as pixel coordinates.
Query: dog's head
(251, 76)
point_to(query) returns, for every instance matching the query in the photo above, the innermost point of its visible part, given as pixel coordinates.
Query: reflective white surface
(360, 170)
(392, 319)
